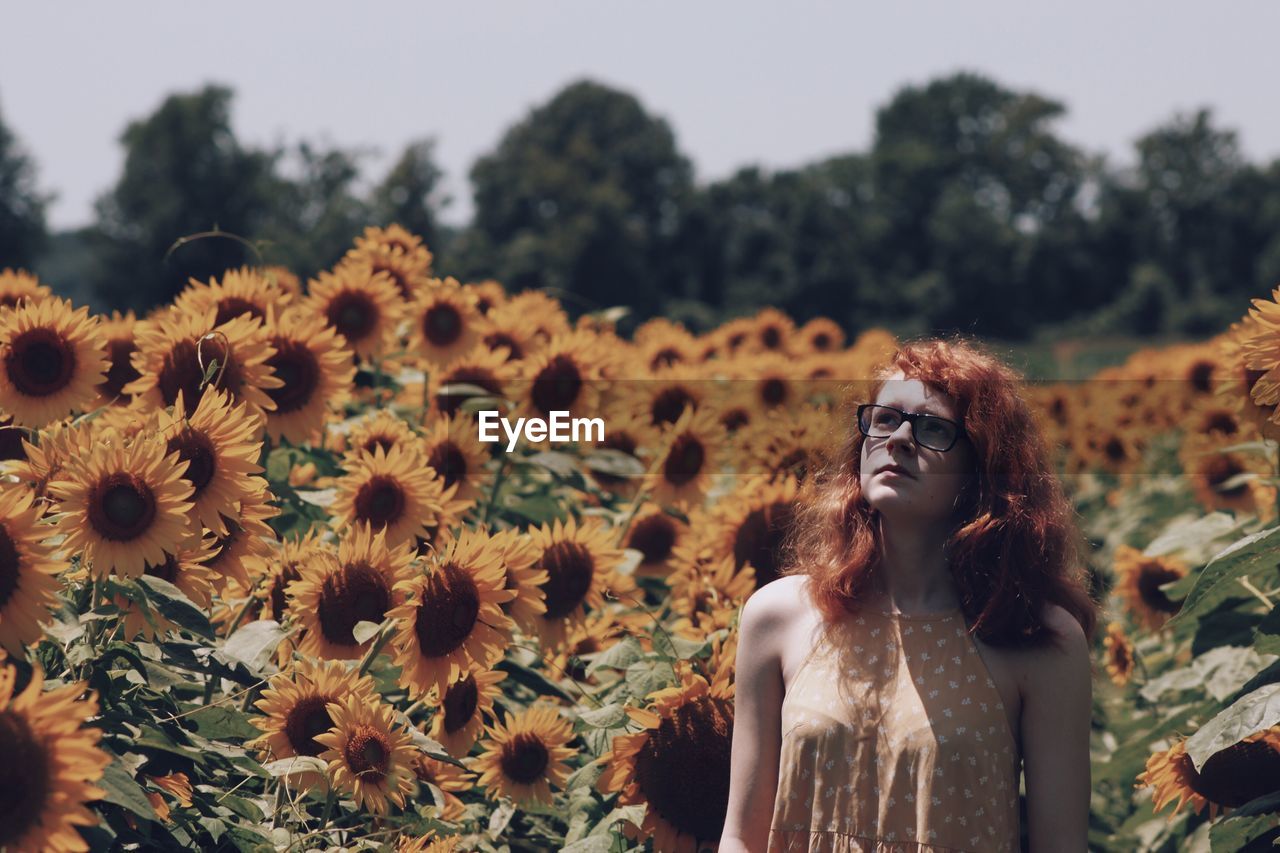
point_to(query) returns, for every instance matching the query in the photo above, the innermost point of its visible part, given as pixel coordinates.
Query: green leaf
(500, 818)
(608, 717)
(645, 677)
(590, 844)
(540, 509)
(1254, 553)
(534, 680)
(562, 465)
(1235, 833)
(584, 777)
(365, 631)
(1219, 672)
(173, 604)
(618, 656)
(432, 748)
(1193, 540)
(254, 645)
(1256, 711)
(218, 722)
(123, 791)
(246, 809)
(666, 643)
(1267, 634)
(318, 497)
(295, 764)
(615, 463)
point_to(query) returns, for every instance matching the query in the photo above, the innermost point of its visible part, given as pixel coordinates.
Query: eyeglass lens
(932, 432)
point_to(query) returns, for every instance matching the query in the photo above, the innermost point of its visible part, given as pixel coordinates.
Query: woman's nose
(901, 436)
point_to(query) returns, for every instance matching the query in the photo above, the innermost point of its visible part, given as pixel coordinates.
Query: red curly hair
(1015, 544)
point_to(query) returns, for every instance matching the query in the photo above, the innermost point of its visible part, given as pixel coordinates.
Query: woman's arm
(1057, 705)
(757, 717)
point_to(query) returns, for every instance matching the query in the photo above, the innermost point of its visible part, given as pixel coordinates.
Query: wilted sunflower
(1119, 654)
(240, 291)
(479, 368)
(751, 523)
(50, 764)
(525, 757)
(123, 505)
(452, 450)
(186, 569)
(1138, 583)
(18, 286)
(445, 322)
(451, 620)
(177, 350)
(459, 716)
(448, 778)
(51, 361)
(363, 306)
(244, 550)
(218, 444)
(358, 586)
(678, 767)
(392, 491)
(692, 453)
(1228, 779)
(656, 534)
(28, 572)
(317, 371)
(580, 561)
(296, 705)
(119, 333)
(368, 755)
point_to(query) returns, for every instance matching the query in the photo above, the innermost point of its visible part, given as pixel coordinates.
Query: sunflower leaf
(432, 748)
(608, 717)
(618, 656)
(318, 497)
(123, 791)
(500, 818)
(365, 631)
(645, 677)
(173, 604)
(1254, 712)
(614, 462)
(1252, 554)
(562, 465)
(295, 764)
(254, 644)
(1240, 832)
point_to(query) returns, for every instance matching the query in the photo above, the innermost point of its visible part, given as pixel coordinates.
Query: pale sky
(741, 82)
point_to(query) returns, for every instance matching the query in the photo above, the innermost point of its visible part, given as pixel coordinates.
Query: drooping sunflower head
(368, 755)
(1138, 583)
(363, 306)
(1227, 779)
(52, 359)
(525, 757)
(316, 371)
(239, 291)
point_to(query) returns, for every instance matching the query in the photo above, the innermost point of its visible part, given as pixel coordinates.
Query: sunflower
(523, 577)
(678, 766)
(480, 368)
(448, 778)
(17, 286)
(564, 377)
(286, 567)
(445, 322)
(217, 443)
(396, 238)
(543, 312)
(664, 343)
(451, 620)
(283, 278)
(177, 350)
(123, 505)
(392, 491)
(1228, 779)
(368, 755)
(513, 334)
(596, 634)
(821, 334)
(51, 764)
(580, 560)
(1139, 580)
(428, 844)
(488, 294)
(296, 708)
(1230, 481)
(118, 333)
(771, 380)
(459, 718)
(244, 550)
(632, 436)
(1119, 654)
(40, 463)
(28, 572)
(452, 450)
(316, 369)
(662, 396)
(184, 568)
(794, 442)
(359, 585)
(693, 451)
(240, 291)
(363, 306)
(750, 524)
(53, 359)
(706, 598)
(734, 337)
(382, 429)
(656, 534)
(525, 757)
(1236, 347)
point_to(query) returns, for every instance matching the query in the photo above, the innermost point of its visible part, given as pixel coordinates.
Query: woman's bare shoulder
(778, 603)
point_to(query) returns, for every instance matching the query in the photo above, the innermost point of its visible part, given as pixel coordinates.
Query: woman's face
(933, 479)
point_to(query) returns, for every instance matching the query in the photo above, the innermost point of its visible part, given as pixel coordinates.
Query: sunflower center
(759, 540)
(183, 369)
(450, 605)
(380, 501)
(683, 767)
(685, 460)
(524, 758)
(1222, 469)
(121, 506)
(353, 314)
(24, 777)
(448, 460)
(1222, 422)
(664, 358)
(195, 448)
(822, 342)
(494, 340)
(120, 373)
(306, 719)
(372, 443)
(40, 362)
(1150, 580)
(230, 307)
(773, 392)
(669, 405)
(11, 440)
(296, 366)
(557, 386)
(10, 566)
(654, 536)
(355, 593)
(1240, 773)
(735, 419)
(570, 571)
(477, 376)
(1201, 376)
(366, 751)
(401, 280)
(442, 325)
(460, 702)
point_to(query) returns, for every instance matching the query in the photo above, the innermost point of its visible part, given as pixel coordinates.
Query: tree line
(969, 211)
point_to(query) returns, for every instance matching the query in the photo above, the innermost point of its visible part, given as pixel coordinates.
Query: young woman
(929, 639)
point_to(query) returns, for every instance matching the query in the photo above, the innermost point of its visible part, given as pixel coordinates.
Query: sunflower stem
(328, 810)
(275, 814)
(243, 612)
(493, 492)
(381, 640)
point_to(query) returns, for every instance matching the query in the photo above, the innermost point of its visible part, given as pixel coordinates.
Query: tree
(184, 173)
(411, 194)
(586, 194)
(22, 206)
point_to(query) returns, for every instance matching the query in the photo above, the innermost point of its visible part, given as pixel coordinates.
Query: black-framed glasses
(931, 431)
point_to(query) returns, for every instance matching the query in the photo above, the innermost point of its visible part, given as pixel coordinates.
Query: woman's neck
(913, 573)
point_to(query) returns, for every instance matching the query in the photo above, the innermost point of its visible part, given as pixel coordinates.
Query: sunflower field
(262, 587)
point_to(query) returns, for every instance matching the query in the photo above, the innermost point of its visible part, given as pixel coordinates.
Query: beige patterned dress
(895, 740)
